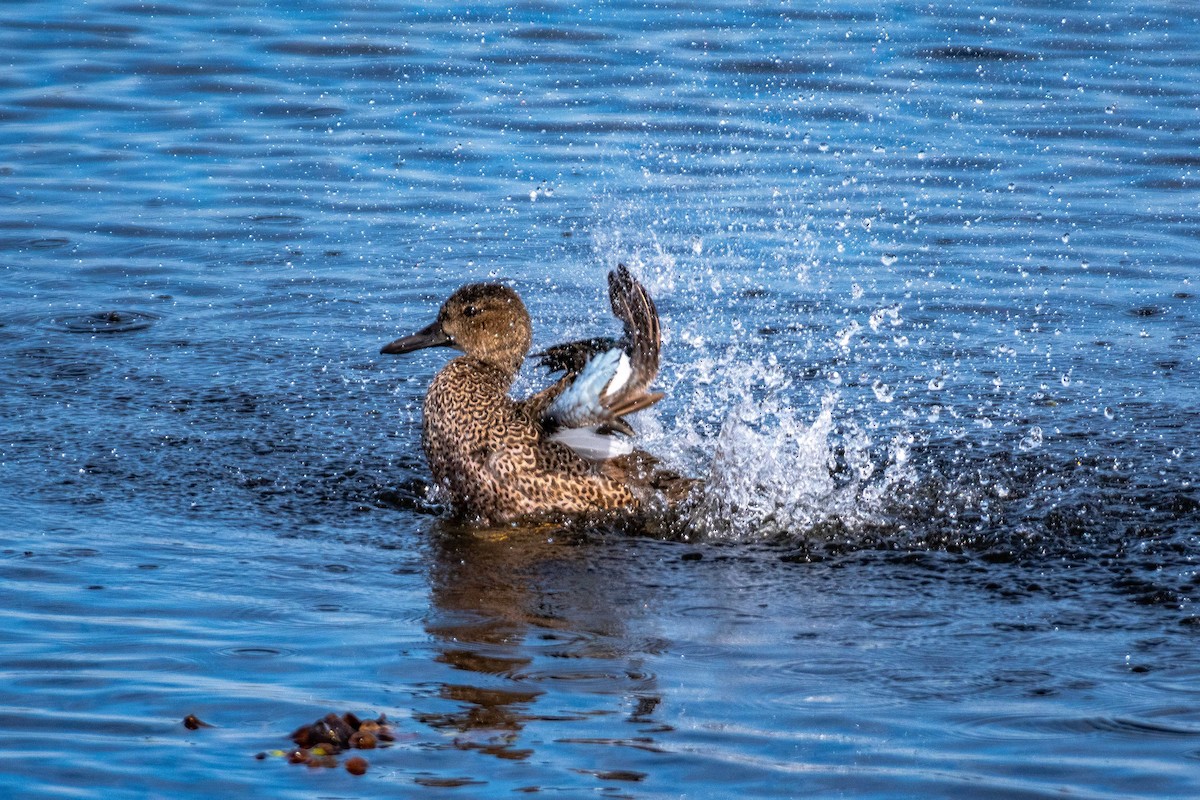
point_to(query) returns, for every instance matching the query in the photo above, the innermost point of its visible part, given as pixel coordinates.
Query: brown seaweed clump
(319, 744)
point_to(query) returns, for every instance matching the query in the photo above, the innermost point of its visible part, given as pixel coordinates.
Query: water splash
(786, 448)
(775, 472)
(781, 454)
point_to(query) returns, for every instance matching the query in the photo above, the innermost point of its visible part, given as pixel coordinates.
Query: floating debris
(192, 722)
(319, 744)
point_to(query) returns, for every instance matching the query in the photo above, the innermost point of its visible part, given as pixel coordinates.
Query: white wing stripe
(624, 373)
(592, 445)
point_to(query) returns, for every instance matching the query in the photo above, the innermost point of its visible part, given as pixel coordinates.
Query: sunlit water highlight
(927, 278)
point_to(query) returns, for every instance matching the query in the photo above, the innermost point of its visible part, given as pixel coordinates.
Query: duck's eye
(470, 311)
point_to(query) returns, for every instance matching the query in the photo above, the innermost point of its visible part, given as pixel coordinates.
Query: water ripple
(104, 322)
(1035, 727)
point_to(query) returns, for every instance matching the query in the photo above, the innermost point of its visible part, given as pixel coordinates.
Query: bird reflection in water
(518, 610)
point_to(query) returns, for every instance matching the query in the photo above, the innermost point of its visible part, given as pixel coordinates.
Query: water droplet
(1031, 440)
(1066, 238)
(888, 259)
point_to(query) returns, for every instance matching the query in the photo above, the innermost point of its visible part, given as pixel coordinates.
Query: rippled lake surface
(928, 277)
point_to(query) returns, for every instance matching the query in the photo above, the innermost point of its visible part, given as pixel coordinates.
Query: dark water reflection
(504, 604)
(928, 280)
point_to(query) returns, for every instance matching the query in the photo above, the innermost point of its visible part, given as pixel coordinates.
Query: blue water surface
(927, 276)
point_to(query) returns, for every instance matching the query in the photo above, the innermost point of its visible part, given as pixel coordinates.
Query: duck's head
(486, 321)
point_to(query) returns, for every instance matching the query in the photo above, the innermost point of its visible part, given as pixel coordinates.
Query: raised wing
(632, 305)
(572, 357)
(613, 377)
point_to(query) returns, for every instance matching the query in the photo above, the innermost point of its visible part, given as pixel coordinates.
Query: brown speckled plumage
(493, 455)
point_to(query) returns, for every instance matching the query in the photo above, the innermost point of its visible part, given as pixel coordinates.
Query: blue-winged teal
(564, 450)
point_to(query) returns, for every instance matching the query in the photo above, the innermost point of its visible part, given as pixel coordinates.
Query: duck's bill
(433, 336)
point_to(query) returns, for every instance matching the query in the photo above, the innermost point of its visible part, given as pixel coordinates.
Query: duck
(563, 451)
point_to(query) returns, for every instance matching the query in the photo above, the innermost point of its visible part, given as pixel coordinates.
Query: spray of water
(781, 453)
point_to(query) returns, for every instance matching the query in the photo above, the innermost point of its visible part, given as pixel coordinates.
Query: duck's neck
(502, 372)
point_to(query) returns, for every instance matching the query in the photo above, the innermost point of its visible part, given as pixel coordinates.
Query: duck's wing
(572, 357)
(632, 305)
(569, 358)
(614, 380)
